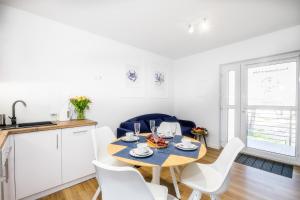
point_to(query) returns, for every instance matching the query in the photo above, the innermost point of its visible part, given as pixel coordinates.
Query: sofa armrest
(187, 123)
(122, 131)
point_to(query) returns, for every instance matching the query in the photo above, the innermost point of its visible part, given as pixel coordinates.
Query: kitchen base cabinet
(7, 171)
(37, 162)
(77, 153)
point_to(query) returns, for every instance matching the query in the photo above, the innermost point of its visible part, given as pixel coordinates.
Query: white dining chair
(212, 178)
(127, 183)
(168, 126)
(102, 137)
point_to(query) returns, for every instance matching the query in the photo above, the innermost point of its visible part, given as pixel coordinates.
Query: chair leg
(97, 193)
(214, 197)
(196, 195)
(175, 183)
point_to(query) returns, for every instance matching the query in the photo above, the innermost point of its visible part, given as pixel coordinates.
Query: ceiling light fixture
(191, 28)
(204, 24)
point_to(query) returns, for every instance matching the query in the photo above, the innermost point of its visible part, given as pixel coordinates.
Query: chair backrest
(121, 183)
(102, 137)
(167, 126)
(225, 160)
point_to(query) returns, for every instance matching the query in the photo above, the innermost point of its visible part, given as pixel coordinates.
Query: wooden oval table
(171, 161)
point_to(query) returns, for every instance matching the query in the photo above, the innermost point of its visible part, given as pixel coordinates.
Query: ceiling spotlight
(191, 28)
(204, 24)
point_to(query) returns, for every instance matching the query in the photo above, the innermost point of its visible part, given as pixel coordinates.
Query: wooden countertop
(60, 125)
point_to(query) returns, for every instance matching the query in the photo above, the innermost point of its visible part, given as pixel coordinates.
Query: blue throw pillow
(170, 119)
(130, 126)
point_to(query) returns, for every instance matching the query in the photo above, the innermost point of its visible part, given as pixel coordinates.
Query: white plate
(182, 147)
(131, 139)
(134, 154)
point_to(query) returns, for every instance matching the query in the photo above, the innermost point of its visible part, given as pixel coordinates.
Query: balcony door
(230, 102)
(265, 111)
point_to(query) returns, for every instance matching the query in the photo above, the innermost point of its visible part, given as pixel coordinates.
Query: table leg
(204, 140)
(156, 175)
(175, 183)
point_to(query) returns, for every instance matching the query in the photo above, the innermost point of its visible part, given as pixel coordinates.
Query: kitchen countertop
(60, 125)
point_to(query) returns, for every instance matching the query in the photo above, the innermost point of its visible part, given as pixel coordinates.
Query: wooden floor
(246, 183)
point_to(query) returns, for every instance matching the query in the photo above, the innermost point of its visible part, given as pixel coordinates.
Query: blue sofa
(128, 125)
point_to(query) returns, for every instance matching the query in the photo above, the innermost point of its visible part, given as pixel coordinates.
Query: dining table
(170, 157)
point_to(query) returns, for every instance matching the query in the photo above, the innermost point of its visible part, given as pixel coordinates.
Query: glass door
(270, 106)
(230, 102)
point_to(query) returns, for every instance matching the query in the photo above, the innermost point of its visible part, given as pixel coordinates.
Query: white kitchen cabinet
(77, 153)
(7, 170)
(37, 162)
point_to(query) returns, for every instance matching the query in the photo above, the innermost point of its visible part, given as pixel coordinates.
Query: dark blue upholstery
(170, 119)
(130, 126)
(127, 126)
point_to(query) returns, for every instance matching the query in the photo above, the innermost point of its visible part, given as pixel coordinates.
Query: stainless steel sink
(34, 124)
(27, 125)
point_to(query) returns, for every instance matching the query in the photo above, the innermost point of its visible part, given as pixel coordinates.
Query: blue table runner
(160, 155)
(171, 149)
(156, 158)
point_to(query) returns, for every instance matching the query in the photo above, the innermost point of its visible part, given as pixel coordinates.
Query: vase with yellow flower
(81, 104)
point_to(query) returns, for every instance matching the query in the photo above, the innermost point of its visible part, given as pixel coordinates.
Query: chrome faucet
(13, 117)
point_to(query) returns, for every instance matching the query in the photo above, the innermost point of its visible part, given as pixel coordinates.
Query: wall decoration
(158, 81)
(159, 78)
(132, 75)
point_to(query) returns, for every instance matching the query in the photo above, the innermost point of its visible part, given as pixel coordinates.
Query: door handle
(56, 141)
(6, 171)
(5, 177)
(80, 132)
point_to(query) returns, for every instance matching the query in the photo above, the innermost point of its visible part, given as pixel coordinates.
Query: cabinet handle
(4, 178)
(6, 171)
(80, 132)
(56, 141)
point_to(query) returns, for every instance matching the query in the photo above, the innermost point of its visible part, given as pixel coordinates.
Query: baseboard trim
(58, 188)
(214, 146)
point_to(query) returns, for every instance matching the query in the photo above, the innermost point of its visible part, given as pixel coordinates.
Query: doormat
(266, 165)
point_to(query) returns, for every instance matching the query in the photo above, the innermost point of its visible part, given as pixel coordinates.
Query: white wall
(196, 78)
(45, 62)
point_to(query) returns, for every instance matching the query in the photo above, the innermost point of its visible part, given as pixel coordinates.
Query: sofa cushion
(170, 119)
(186, 131)
(130, 126)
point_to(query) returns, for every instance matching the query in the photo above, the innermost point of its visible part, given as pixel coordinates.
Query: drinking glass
(155, 136)
(152, 126)
(137, 128)
(173, 132)
(173, 128)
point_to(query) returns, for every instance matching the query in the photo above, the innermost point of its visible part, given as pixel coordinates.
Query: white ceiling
(160, 26)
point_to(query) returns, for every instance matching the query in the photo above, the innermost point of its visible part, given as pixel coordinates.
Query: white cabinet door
(8, 170)
(37, 162)
(9, 186)
(77, 153)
